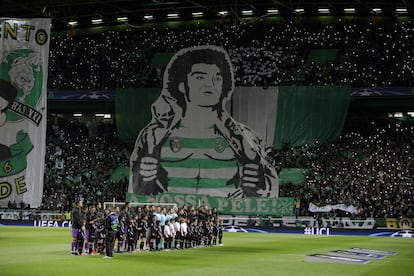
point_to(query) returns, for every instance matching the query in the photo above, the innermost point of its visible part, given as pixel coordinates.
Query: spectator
(371, 168)
(369, 54)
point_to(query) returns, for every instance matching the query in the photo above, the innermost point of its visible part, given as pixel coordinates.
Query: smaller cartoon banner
(24, 54)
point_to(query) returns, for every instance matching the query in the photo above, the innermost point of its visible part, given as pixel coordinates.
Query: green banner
(309, 113)
(17, 162)
(281, 206)
(133, 110)
(120, 173)
(295, 176)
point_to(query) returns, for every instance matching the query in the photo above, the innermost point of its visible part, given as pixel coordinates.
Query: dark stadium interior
(62, 11)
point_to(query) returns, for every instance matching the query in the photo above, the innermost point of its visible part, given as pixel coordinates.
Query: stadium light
(77, 114)
(410, 113)
(197, 14)
(273, 11)
(97, 21)
(300, 10)
(401, 10)
(73, 23)
(324, 10)
(223, 13)
(148, 17)
(172, 15)
(398, 115)
(122, 19)
(247, 12)
(104, 115)
(349, 10)
(377, 10)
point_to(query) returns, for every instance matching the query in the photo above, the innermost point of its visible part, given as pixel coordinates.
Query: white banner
(327, 208)
(193, 146)
(24, 54)
(256, 107)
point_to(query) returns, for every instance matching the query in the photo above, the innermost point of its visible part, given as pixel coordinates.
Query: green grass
(46, 251)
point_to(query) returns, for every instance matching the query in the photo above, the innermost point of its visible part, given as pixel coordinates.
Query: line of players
(149, 228)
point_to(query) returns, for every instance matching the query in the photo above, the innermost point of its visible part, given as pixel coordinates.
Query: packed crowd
(368, 55)
(79, 164)
(143, 228)
(371, 168)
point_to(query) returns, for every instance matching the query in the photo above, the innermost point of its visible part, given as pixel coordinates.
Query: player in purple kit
(76, 226)
(142, 230)
(121, 235)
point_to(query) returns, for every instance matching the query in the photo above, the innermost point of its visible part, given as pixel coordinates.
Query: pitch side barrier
(343, 226)
(29, 215)
(394, 227)
(300, 222)
(308, 230)
(327, 222)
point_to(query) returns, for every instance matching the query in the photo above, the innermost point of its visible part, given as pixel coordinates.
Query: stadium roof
(110, 12)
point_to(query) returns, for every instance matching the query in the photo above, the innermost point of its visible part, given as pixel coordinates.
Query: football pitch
(46, 251)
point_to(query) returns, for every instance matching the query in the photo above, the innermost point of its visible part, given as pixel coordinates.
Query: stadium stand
(78, 165)
(361, 55)
(371, 168)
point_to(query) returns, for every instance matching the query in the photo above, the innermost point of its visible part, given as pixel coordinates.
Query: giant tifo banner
(192, 146)
(24, 53)
(203, 146)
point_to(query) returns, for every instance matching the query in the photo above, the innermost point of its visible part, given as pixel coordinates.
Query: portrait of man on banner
(192, 144)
